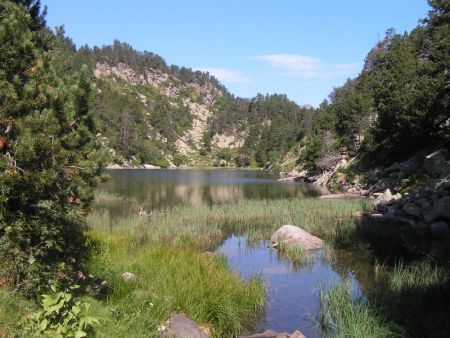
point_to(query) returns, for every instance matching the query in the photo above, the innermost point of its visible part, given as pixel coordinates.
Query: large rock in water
(291, 236)
(181, 326)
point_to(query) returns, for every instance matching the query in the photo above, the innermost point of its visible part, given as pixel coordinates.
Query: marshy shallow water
(293, 287)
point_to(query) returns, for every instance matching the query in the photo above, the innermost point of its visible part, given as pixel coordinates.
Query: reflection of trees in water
(190, 195)
(356, 264)
(225, 193)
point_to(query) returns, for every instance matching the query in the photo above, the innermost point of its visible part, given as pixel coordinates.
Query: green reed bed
(410, 300)
(341, 315)
(170, 280)
(164, 248)
(206, 226)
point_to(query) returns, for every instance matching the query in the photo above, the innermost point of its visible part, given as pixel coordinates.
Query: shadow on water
(293, 286)
(413, 291)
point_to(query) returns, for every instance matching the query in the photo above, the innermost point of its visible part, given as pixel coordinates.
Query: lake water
(161, 188)
(293, 287)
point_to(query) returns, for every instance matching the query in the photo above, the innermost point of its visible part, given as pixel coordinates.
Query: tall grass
(206, 226)
(172, 279)
(12, 308)
(341, 315)
(411, 300)
(164, 248)
(417, 297)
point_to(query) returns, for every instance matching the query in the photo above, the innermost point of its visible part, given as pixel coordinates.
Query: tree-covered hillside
(397, 106)
(151, 113)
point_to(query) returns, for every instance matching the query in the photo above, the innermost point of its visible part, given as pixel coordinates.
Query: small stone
(282, 335)
(182, 326)
(424, 205)
(408, 221)
(442, 208)
(390, 213)
(377, 216)
(438, 227)
(412, 209)
(129, 277)
(298, 334)
(265, 334)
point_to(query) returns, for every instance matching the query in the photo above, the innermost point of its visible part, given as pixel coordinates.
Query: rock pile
(415, 192)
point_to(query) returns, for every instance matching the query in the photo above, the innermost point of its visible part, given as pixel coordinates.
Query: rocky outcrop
(180, 326)
(127, 165)
(290, 236)
(415, 192)
(203, 95)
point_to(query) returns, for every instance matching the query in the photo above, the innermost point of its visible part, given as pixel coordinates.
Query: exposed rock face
(127, 165)
(188, 142)
(228, 141)
(290, 236)
(180, 326)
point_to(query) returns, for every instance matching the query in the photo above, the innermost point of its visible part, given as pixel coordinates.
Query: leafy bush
(62, 315)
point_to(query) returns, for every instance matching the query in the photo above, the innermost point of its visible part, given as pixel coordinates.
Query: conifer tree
(50, 159)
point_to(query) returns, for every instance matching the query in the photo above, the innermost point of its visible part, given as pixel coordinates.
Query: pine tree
(50, 159)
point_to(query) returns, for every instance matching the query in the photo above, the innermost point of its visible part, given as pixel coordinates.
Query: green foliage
(224, 154)
(171, 279)
(50, 160)
(313, 151)
(351, 108)
(62, 315)
(343, 316)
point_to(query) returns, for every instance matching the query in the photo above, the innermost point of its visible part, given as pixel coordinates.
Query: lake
(162, 188)
(293, 288)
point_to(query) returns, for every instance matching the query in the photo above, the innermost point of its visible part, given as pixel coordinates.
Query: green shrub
(62, 315)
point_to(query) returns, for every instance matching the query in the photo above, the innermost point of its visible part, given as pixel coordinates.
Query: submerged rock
(291, 236)
(273, 334)
(181, 326)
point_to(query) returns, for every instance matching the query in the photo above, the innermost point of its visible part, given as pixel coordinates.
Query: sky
(296, 47)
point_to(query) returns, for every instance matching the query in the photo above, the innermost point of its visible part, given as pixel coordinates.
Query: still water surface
(293, 288)
(161, 188)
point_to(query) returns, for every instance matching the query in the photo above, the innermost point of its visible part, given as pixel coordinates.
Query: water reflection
(166, 188)
(293, 289)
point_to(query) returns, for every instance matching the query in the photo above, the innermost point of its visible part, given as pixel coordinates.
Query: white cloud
(225, 74)
(290, 61)
(295, 65)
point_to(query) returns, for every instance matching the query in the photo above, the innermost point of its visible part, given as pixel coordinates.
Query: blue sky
(295, 47)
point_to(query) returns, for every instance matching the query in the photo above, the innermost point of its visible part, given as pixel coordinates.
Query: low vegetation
(171, 279)
(343, 315)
